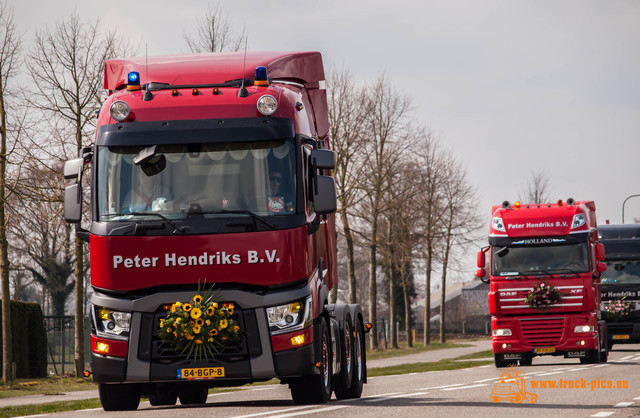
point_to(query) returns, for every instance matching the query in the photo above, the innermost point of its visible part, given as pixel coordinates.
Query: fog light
(102, 347)
(505, 345)
(297, 340)
(581, 343)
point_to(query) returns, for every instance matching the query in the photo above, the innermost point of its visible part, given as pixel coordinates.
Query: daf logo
(508, 293)
(576, 291)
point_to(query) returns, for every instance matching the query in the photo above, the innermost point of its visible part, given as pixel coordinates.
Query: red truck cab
(215, 170)
(544, 273)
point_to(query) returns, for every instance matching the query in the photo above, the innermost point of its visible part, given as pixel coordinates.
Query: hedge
(29, 339)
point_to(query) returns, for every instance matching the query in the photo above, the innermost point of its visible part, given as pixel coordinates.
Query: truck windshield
(204, 180)
(621, 272)
(516, 260)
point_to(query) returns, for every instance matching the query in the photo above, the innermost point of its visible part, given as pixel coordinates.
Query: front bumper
(254, 359)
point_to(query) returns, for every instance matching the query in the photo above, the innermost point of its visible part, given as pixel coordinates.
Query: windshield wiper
(247, 212)
(142, 226)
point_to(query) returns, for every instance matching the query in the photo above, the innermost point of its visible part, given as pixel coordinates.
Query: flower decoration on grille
(201, 327)
(543, 296)
(618, 309)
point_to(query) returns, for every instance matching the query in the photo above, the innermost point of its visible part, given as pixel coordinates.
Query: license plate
(201, 373)
(621, 337)
(542, 350)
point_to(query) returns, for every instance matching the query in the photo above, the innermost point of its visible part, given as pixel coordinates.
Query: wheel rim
(358, 352)
(325, 361)
(347, 339)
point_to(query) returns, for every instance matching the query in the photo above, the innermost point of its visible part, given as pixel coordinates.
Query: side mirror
(73, 203)
(73, 168)
(600, 252)
(481, 260)
(324, 158)
(324, 195)
(601, 267)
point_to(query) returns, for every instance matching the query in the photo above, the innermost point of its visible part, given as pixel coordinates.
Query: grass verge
(462, 362)
(48, 408)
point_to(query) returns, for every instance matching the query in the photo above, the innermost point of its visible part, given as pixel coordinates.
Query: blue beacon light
(133, 81)
(261, 78)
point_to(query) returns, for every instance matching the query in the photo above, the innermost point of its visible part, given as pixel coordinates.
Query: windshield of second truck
(519, 260)
(621, 272)
(200, 179)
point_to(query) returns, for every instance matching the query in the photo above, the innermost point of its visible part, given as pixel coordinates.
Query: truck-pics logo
(511, 387)
(219, 258)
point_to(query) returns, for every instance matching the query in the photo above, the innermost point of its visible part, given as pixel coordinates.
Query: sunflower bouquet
(543, 296)
(201, 327)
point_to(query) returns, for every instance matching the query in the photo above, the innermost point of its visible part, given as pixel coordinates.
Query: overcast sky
(511, 86)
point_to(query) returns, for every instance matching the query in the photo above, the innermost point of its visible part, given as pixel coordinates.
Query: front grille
(164, 353)
(544, 331)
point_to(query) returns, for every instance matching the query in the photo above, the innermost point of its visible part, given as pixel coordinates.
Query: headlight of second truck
(289, 317)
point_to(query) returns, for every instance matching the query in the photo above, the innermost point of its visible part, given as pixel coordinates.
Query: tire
(316, 388)
(500, 363)
(593, 356)
(526, 360)
(163, 397)
(119, 397)
(358, 365)
(194, 395)
(343, 379)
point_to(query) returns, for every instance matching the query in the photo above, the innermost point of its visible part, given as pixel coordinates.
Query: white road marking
(441, 387)
(313, 411)
(623, 404)
(402, 395)
(549, 374)
(603, 414)
(466, 387)
(276, 412)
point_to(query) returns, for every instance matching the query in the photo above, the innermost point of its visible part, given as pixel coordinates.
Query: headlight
(290, 317)
(583, 328)
(578, 220)
(119, 110)
(267, 105)
(111, 323)
(501, 332)
(498, 224)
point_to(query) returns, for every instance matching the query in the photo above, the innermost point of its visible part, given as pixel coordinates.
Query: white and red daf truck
(215, 169)
(544, 273)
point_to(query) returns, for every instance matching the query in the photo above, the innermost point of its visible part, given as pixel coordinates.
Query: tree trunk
(445, 262)
(351, 271)
(373, 293)
(7, 342)
(427, 299)
(407, 304)
(79, 315)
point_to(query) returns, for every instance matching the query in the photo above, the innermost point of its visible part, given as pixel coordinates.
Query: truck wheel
(119, 397)
(343, 379)
(500, 363)
(358, 365)
(194, 395)
(593, 356)
(316, 388)
(526, 360)
(163, 396)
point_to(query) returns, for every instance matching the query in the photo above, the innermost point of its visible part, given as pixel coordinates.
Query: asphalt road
(583, 392)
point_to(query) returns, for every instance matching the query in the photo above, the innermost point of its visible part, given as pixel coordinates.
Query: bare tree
(10, 57)
(346, 120)
(67, 65)
(387, 128)
(214, 34)
(459, 222)
(432, 163)
(538, 188)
